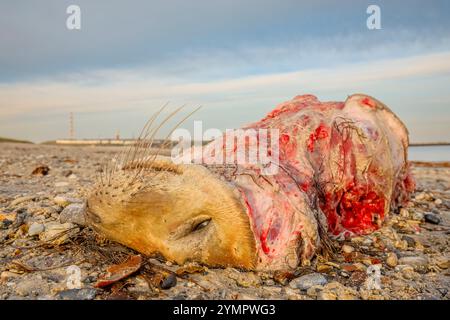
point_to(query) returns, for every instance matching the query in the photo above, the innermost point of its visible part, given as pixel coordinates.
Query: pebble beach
(48, 252)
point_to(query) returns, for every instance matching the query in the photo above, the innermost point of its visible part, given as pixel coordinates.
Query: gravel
(74, 213)
(307, 281)
(432, 218)
(413, 255)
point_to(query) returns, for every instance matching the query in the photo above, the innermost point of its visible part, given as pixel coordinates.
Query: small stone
(20, 200)
(419, 246)
(246, 280)
(66, 173)
(344, 274)
(368, 295)
(349, 267)
(417, 215)
(74, 213)
(434, 210)
(367, 261)
(61, 184)
(269, 282)
(357, 239)
(35, 229)
(410, 241)
(360, 267)
(407, 271)
(402, 245)
(423, 196)
(314, 291)
(41, 171)
(282, 277)
(420, 196)
(347, 249)
(392, 259)
(443, 262)
(61, 201)
(438, 202)
(307, 281)
(89, 279)
(324, 268)
(335, 290)
(404, 213)
(446, 204)
(73, 177)
(414, 261)
(78, 294)
(432, 218)
(169, 282)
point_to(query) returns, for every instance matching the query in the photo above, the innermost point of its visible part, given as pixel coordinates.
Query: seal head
(182, 212)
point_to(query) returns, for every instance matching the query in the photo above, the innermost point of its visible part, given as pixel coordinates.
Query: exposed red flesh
(341, 164)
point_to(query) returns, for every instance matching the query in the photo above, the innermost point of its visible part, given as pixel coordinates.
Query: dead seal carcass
(343, 166)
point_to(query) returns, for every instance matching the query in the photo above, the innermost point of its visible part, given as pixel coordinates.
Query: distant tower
(71, 129)
(118, 134)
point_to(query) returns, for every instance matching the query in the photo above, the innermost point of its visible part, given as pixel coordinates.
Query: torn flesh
(342, 166)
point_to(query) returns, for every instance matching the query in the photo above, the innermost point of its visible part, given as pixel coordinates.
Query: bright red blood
(284, 138)
(369, 102)
(263, 239)
(321, 132)
(360, 210)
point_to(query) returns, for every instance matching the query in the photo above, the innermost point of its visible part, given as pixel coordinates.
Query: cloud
(129, 58)
(260, 36)
(134, 89)
(414, 87)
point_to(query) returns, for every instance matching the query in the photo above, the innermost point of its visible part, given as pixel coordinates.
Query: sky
(236, 59)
